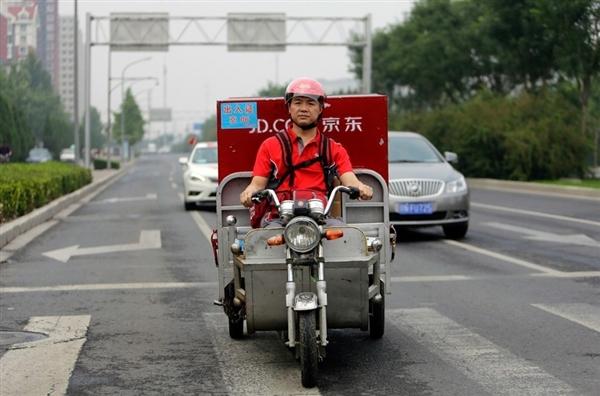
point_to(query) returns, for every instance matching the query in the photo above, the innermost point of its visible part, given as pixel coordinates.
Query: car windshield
(411, 149)
(205, 155)
(38, 153)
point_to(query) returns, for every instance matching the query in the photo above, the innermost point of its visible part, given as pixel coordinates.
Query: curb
(535, 188)
(9, 231)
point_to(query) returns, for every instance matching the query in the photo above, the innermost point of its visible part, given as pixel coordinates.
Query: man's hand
(257, 184)
(246, 196)
(366, 192)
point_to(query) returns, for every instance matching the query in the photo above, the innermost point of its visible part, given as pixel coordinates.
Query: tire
(377, 315)
(189, 205)
(456, 231)
(236, 328)
(309, 350)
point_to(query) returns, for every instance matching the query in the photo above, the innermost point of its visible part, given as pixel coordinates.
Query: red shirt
(311, 177)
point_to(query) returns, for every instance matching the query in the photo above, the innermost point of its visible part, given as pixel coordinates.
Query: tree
(133, 122)
(272, 90)
(209, 129)
(97, 137)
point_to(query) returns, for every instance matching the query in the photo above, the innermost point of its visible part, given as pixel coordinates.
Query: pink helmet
(307, 87)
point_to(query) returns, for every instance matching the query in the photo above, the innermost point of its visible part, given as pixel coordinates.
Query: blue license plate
(416, 208)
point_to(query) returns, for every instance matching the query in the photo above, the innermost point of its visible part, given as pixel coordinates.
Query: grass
(588, 183)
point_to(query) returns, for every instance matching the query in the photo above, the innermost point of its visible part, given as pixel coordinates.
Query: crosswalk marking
(498, 370)
(584, 314)
(43, 367)
(259, 365)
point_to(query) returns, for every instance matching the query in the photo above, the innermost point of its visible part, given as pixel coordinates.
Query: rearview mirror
(451, 157)
(183, 160)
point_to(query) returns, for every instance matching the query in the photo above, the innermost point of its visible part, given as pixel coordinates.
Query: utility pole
(76, 85)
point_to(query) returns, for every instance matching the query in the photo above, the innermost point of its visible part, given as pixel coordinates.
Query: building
(48, 37)
(30, 25)
(21, 30)
(66, 85)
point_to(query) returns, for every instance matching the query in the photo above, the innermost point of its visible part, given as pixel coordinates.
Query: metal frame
(191, 26)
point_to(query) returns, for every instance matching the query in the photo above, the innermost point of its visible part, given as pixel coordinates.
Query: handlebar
(262, 194)
(353, 193)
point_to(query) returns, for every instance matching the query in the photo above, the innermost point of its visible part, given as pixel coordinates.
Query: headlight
(302, 234)
(456, 186)
(198, 178)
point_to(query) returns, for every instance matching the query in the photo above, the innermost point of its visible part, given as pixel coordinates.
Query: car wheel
(189, 205)
(456, 231)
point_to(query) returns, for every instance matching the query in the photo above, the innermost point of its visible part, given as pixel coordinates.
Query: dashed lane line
(584, 314)
(538, 214)
(495, 368)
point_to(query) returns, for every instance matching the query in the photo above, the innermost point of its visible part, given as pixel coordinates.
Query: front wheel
(456, 231)
(309, 350)
(236, 328)
(377, 315)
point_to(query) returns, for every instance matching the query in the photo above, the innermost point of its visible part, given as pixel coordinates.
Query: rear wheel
(309, 351)
(456, 231)
(236, 328)
(377, 315)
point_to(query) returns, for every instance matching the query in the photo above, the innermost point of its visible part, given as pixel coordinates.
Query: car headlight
(302, 234)
(198, 178)
(456, 186)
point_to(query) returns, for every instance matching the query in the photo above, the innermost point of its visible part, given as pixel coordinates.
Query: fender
(305, 301)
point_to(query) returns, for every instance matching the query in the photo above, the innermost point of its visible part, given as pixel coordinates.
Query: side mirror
(451, 157)
(183, 160)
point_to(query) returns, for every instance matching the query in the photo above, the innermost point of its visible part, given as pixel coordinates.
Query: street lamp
(123, 92)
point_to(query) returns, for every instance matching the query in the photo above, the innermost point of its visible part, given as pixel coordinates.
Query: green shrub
(522, 138)
(101, 163)
(25, 187)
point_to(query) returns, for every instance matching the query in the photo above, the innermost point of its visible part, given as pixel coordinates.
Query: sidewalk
(100, 180)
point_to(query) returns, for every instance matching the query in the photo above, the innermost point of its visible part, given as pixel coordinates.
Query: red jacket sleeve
(262, 163)
(340, 157)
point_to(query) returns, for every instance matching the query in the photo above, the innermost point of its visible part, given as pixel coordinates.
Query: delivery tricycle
(311, 274)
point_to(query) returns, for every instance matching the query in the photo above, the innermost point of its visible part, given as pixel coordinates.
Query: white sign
(134, 31)
(160, 114)
(256, 32)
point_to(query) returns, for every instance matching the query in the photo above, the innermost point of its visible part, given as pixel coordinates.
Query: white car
(200, 175)
(68, 154)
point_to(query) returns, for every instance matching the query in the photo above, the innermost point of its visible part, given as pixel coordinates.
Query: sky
(198, 76)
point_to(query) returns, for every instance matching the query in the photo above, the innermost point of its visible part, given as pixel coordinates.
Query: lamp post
(123, 92)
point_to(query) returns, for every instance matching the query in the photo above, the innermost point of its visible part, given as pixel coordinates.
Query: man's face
(304, 111)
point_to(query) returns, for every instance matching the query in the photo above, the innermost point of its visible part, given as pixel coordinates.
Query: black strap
(329, 169)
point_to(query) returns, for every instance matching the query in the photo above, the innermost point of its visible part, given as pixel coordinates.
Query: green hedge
(25, 187)
(100, 163)
(528, 137)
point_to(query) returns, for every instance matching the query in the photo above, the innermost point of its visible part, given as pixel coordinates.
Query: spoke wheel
(309, 350)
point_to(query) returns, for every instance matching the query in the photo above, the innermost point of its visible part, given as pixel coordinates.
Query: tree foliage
(37, 111)
(133, 121)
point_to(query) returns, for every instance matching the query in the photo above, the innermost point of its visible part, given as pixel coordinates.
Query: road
(125, 285)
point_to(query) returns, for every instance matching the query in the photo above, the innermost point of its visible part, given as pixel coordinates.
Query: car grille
(415, 187)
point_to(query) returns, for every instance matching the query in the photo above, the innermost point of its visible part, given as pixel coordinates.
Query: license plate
(416, 208)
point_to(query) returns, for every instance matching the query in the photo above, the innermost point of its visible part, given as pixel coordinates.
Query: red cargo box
(359, 122)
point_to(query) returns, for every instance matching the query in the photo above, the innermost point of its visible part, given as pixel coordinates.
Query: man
(305, 100)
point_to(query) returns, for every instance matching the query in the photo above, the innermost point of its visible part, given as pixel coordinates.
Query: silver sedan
(425, 190)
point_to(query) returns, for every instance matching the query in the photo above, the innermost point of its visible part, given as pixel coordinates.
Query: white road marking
(126, 199)
(503, 257)
(259, 365)
(109, 286)
(43, 367)
(575, 274)
(538, 214)
(573, 239)
(149, 239)
(584, 314)
(202, 224)
(430, 278)
(495, 368)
